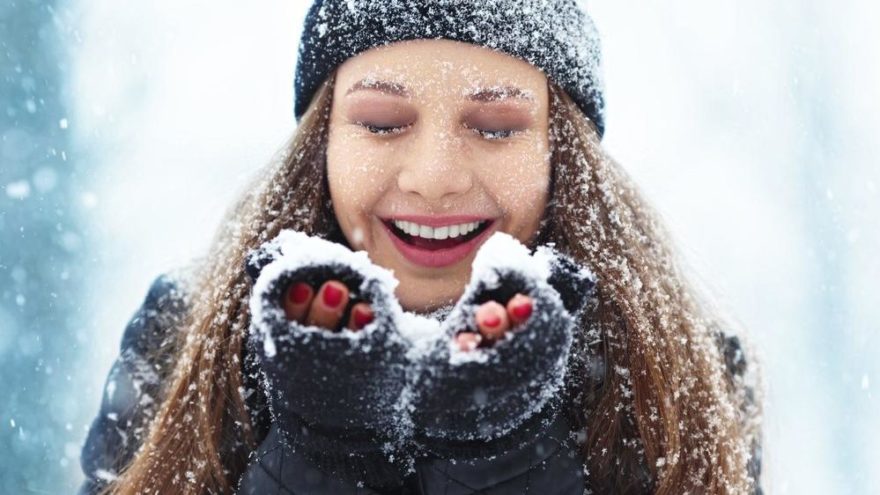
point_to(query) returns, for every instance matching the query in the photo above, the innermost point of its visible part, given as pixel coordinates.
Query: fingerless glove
(332, 394)
(490, 400)
(363, 405)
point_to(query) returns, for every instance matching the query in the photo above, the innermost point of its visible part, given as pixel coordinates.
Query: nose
(436, 166)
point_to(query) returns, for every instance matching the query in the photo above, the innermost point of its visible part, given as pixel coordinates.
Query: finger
(361, 316)
(519, 308)
(297, 301)
(328, 306)
(492, 320)
(468, 341)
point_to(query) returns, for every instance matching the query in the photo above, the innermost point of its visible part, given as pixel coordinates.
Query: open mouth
(436, 238)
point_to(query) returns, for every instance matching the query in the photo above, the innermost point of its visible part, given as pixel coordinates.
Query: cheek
(356, 179)
(519, 180)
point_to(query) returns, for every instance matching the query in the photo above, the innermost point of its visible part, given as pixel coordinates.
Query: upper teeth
(427, 232)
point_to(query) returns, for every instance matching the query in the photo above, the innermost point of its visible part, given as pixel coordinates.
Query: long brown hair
(666, 408)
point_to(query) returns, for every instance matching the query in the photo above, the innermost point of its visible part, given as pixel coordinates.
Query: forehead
(439, 67)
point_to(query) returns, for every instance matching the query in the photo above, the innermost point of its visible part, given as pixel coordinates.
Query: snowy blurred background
(754, 127)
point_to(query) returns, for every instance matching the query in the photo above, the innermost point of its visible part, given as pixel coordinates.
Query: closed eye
(494, 134)
(489, 134)
(383, 130)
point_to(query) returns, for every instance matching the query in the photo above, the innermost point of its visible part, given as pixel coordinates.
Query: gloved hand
(489, 400)
(354, 400)
(332, 394)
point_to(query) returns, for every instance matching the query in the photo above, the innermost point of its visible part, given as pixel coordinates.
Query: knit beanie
(556, 36)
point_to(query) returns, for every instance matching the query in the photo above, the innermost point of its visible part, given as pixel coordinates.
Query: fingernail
(332, 295)
(362, 317)
(522, 311)
(299, 293)
(468, 341)
(491, 321)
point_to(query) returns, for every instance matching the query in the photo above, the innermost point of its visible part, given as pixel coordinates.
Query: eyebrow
(497, 93)
(388, 87)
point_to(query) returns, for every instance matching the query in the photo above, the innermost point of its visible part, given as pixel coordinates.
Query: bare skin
(493, 319)
(433, 128)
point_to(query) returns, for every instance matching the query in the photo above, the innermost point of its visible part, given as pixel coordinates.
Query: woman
(419, 119)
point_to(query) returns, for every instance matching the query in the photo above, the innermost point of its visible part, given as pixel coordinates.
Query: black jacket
(446, 437)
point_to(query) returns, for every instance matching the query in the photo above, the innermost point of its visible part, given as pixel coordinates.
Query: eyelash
(382, 131)
(496, 134)
(489, 135)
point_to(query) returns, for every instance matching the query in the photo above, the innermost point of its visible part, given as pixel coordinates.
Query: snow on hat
(556, 36)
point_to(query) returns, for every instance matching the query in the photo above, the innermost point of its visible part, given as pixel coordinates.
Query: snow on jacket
(404, 411)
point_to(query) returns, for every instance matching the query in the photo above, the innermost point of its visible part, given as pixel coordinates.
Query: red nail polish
(332, 296)
(492, 321)
(522, 311)
(299, 293)
(362, 317)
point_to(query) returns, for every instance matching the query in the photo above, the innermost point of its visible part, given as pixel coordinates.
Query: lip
(440, 257)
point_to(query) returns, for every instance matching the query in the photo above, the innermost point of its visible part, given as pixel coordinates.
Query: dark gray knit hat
(556, 36)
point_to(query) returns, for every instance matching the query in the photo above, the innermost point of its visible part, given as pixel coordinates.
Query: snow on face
(436, 129)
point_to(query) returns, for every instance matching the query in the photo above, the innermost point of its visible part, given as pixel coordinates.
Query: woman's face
(433, 146)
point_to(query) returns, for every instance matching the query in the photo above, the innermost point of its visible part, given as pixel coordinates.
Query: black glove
(335, 395)
(350, 399)
(490, 400)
